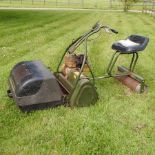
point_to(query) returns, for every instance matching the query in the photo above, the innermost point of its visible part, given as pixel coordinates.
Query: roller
(132, 81)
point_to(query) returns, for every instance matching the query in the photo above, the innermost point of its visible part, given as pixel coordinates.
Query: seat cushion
(133, 43)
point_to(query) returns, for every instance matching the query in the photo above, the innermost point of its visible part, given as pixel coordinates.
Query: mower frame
(84, 39)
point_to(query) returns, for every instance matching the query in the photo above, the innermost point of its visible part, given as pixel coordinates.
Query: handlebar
(109, 29)
(96, 25)
(114, 31)
(96, 28)
(106, 28)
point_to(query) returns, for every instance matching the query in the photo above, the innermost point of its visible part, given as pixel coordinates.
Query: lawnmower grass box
(33, 86)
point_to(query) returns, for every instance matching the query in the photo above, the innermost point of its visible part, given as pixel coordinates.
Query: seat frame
(114, 59)
(126, 71)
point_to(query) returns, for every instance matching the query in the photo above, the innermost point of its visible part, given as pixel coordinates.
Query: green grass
(122, 122)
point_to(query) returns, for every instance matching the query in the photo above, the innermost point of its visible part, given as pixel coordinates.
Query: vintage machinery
(34, 86)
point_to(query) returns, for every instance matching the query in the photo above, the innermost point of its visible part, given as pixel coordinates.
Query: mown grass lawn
(122, 122)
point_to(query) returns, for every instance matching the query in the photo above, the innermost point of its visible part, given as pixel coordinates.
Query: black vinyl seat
(131, 44)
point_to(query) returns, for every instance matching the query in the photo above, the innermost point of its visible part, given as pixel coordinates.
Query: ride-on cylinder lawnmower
(34, 86)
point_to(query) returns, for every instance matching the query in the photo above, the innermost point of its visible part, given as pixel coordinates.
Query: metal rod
(113, 61)
(91, 72)
(142, 87)
(73, 46)
(110, 62)
(107, 76)
(83, 63)
(132, 60)
(101, 77)
(135, 62)
(57, 70)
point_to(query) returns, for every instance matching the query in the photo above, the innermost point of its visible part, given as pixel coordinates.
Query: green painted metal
(85, 94)
(112, 63)
(134, 62)
(133, 75)
(66, 84)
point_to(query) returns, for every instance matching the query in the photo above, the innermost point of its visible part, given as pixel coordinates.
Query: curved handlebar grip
(114, 31)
